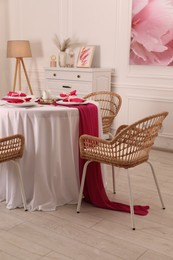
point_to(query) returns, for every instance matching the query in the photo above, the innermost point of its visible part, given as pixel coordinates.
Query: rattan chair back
(109, 103)
(11, 147)
(129, 147)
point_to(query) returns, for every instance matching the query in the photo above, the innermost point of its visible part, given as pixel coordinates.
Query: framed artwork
(85, 56)
(152, 33)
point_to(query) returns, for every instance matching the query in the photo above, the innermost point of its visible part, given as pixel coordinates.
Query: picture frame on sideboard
(85, 56)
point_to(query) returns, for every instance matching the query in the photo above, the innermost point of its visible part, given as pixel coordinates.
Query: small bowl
(46, 101)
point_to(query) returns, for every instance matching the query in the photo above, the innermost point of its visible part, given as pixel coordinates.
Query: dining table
(50, 163)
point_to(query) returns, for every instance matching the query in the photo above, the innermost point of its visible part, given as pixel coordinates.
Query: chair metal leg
(131, 201)
(113, 179)
(82, 185)
(110, 135)
(21, 184)
(157, 185)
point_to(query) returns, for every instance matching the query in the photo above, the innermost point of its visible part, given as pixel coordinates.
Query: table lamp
(19, 49)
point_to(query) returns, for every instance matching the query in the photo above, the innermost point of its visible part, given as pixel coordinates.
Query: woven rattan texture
(129, 147)
(109, 103)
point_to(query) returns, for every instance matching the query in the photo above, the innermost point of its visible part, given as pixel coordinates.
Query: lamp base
(20, 61)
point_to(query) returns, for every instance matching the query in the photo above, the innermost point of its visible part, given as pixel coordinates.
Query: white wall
(4, 69)
(106, 23)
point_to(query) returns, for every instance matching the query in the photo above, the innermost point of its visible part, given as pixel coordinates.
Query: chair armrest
(11, 138)
(90, 143)
(120, 128)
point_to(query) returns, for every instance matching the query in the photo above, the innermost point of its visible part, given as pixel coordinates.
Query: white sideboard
(63, 80)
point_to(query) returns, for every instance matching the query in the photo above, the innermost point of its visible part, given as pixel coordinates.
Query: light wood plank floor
(97, 234)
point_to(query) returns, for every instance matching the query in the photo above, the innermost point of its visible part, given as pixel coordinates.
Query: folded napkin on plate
(16, 97)
(16, 94)
(16, 100)
(69, 99)
(72, 93)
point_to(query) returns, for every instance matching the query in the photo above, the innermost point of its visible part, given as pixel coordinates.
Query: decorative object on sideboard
(19, 49)
(62, 47)
(85, 56)
(62, 59)
(70, 58)
(53, 62)
(66, 59)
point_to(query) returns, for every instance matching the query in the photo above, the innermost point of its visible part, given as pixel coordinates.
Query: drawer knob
(78, 76)
(54, 74)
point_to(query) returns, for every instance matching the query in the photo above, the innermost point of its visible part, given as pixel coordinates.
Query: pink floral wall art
(152, 32)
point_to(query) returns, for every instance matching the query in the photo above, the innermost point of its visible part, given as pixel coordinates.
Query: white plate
(72, 103)
(24, 104)
(2, 102)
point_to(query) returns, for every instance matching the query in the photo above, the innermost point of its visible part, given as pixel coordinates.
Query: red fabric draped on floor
(94, 191)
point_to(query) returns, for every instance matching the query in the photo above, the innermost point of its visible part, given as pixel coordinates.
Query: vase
(62, 58)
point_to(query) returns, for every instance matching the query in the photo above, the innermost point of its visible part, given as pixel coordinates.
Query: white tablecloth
(50, 162)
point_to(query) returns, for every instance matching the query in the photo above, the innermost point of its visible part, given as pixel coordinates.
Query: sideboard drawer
(68, 75)
(84, 81)
(57, 87)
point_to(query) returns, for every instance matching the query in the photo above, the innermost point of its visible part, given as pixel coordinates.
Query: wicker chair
(11, 149)
(110, 104)
(130, 147)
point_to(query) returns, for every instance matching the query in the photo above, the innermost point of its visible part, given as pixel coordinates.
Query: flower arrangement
(65, 44)
(62, 46)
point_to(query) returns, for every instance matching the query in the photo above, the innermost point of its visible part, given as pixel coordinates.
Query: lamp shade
(18, 49)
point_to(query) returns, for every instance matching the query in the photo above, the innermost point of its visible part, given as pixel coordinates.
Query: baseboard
(163, 149)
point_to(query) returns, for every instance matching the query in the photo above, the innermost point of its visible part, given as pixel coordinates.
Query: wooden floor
(96, 233)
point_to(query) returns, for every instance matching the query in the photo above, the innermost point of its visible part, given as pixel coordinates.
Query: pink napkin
(16, 100)
(72, 93)
(16, 97)
(16, 94)
(69, 99)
